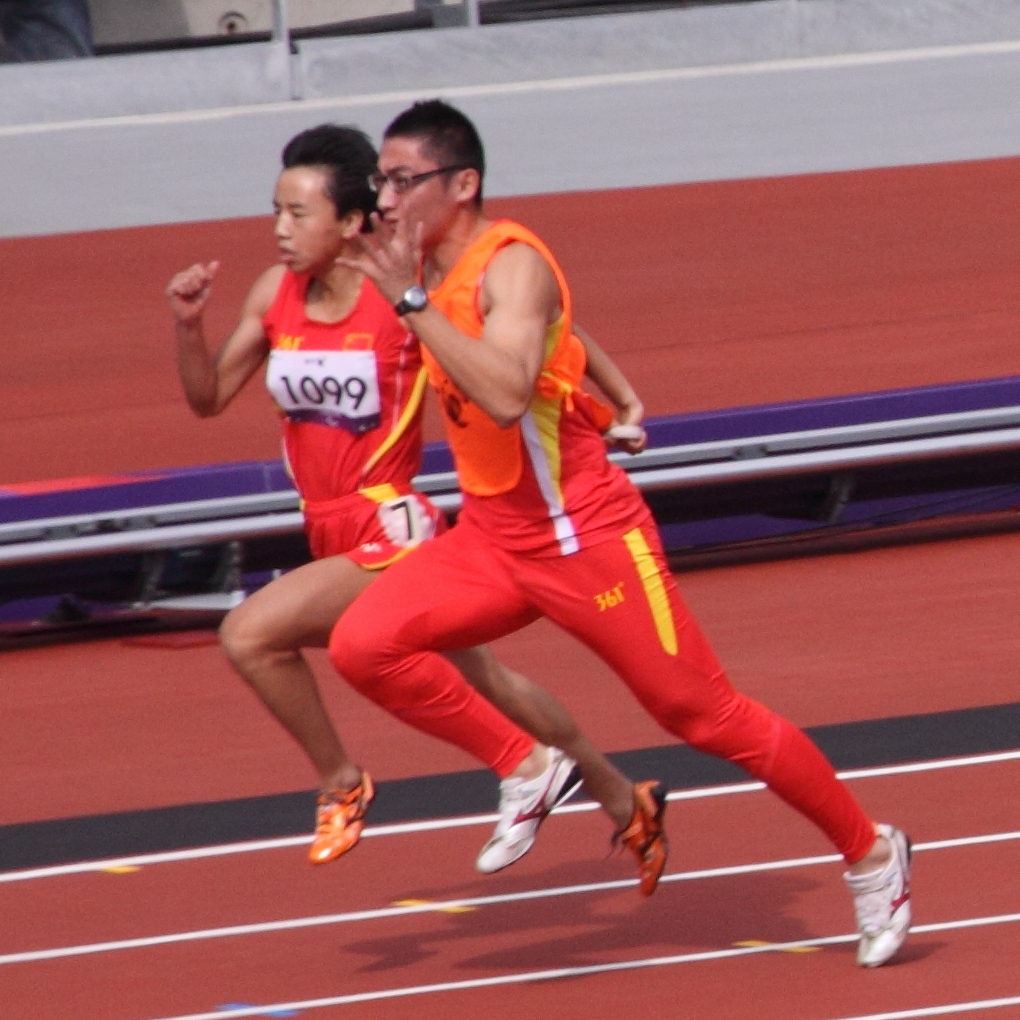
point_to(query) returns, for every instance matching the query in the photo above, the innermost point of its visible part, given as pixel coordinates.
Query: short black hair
(347, 157)
(447, 136)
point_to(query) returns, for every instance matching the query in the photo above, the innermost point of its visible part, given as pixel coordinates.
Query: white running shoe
(523, 805)
(882, 902)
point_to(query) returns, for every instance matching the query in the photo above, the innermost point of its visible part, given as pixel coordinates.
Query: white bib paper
(335, 388)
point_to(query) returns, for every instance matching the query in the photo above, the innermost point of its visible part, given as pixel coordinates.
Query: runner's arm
(212, 381)
(519, 300)
(605, 373)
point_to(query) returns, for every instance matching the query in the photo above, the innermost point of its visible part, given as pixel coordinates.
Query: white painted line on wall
(611, 79)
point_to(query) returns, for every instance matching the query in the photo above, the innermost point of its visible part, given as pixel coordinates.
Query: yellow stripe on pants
(655, 589)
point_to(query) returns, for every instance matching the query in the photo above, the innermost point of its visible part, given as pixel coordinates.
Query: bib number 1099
(329, 389)
(336, 388)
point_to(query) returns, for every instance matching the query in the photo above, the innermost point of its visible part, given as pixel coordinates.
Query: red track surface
(755, 291)
(565, 928)
(833, 639)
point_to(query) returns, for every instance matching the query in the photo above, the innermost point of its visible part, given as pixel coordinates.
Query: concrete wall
(754, 89)
(684, 38)
(439, 58)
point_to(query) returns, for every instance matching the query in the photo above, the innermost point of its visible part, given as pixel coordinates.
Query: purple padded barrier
(221, 480)
(148, 489)
(833, 412)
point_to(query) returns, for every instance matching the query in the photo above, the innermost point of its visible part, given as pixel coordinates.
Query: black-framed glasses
(401, 182)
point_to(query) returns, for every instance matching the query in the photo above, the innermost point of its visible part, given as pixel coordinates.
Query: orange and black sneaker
(339, 819)
(645, 835)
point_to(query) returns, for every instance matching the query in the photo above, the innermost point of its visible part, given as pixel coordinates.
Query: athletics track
(781, 289)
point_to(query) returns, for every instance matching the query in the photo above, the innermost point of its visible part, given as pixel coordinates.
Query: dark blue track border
(853, 745)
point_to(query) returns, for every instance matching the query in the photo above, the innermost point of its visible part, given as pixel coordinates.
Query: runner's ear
(465, 184)
(352, 223)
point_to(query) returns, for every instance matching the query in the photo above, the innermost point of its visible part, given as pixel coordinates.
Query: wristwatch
(414, 299)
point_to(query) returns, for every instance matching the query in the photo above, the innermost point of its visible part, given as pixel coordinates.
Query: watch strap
(414, 300)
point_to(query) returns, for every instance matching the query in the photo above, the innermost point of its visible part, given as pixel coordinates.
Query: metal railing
(682, 467)
(247, 22)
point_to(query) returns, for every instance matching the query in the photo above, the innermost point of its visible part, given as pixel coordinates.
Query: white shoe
(882, 902)
(523, 805)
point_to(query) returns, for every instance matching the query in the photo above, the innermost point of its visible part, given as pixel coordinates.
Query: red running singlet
(350, 395)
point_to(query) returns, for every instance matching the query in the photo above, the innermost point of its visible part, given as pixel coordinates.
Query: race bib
(335, 388)
(408, 520)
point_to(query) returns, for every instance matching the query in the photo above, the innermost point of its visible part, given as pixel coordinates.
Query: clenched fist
(188, 292)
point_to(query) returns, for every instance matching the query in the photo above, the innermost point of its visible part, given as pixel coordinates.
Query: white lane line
(255, 846)
(948, 1010)
(607, 968)
(930, 766)
(442, 906)
(434, 824)
(611, 79)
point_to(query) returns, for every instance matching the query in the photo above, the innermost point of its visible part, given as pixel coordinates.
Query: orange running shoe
(645, 835)
(339, 819)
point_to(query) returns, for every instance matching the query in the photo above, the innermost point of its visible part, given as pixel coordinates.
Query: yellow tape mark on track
(756, 943)
(426, 903)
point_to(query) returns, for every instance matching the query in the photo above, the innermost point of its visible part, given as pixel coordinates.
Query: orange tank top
(543, 486)
(488, 457)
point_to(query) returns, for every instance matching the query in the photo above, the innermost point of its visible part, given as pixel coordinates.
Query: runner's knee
(239, 640)
(247, 637)
(357, 656)
(741, 731)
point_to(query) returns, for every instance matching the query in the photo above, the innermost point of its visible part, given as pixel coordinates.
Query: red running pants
(619, 599)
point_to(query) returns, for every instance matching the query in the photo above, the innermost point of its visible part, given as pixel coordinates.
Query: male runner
(348, 379)
(549, 526)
